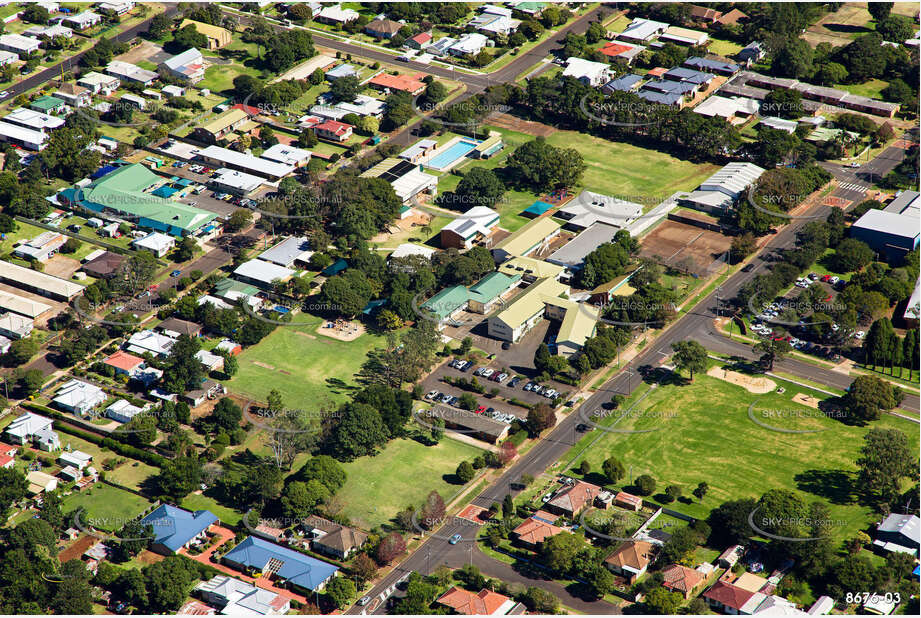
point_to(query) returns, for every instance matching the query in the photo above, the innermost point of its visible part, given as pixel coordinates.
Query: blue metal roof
(174, 527)
(299, 569)
(102, 171)
(538, 208)
(689, 75)
(656, 97)
(164, 191)
(335, 268)
(624, 83)
(711, 65)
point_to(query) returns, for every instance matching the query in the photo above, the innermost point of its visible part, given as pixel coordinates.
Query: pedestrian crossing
(853, 186)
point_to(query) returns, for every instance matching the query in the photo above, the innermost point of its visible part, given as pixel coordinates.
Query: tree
(794, 59)
(729, 522)
(645, 485)
(239, 219)
(345, 89)
(226, 414)
(689, 355)
(341, 590)
(868, 396)
(771, 351)
(851, 255)
(541, 417)
(390, 547)
(881, 343)
(603, 264)
(183, 371)
(478, 187)
(134, 537)
(540, 601)
(540, 166)
(465, 471)
(33, 534)
(167, 583)
(880, 10)
(680, 545)
(561, 550)
(433, 511)
(360, 432)
(886, 458)
(542, 358)
(613, 469)
(13, 488)
(364, 568)
(189, 36)
(673, 492)
(701, 490)
(74, 594)
(662, 602)
(601, 580)
(742, 246)
(895, 28)
(159, 26)
(300, 499)
(324, 469)
(179, 476)
(585, 467)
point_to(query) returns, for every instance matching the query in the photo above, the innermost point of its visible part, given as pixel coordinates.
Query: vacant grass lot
(297, 361)
(402, 474)
(872, 88)
(197, 502)
(107, 508)
(706, 435)
(132, 473)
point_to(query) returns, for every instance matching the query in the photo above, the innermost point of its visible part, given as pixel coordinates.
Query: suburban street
(696, 325)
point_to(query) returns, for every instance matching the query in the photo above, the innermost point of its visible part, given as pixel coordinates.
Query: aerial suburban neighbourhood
(409, 308)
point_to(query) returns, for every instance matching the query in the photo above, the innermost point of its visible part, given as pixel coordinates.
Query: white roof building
(22, 305)
(781, 124)
(641, 29)
(211, 362)
(96, 81)
(149, 342)
(264, 273)
(18, 44)
(15, 326)
(335, 13)
(588, 72)
(83, 20)
(238, 182)
(733, 179)
(188, 66)
(469, 43)
(31, 427)
(122, 411)
(214, 301)
(31, 119)
(239, 598)
(723, 107)
(407, 249)
(49, 31)
(288, 251)
(131, 72)
(38, 282)
(77, 459)
(21, 136)
(245, 162)
(441, 46)
(79, 397)
(155, 242)
(589, 207)
(286, 155)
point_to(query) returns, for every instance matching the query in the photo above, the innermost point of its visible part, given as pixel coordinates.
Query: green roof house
(48, 104)
(124, 192)
(447, 303)
(488, 291)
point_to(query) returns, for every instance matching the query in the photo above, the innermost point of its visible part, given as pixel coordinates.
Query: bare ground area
(684, 246)
(148, 51)
(61, 266)
(840, 27)
(753, 384)
(507, 121)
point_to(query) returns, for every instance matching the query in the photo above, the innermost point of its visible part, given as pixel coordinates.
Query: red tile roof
(615, 49)
(421, 38)
(681, 578)
(124, 361)
(249, 109)
(397, 82)
(575, 498)
(657, 72)
(626, 498)
(702, 12)
(535, 531)
(333, 126)
(634, 554)
(485, 602)
(4, 460)
(731, 17)
(728, 595)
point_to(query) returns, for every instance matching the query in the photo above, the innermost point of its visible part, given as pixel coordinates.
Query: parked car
(514, 382)
(431, 395)
(480, 410)
(454, 539)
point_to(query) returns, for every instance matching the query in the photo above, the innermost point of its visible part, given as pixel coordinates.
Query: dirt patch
(61, 266)
(145, 51)
(507, 121)
(149, 557)
(807, 400)
(303, 334)
(79, 546)
(264, 365)
(840, 27)
(753, 384)
(341, 330)
(684, 246)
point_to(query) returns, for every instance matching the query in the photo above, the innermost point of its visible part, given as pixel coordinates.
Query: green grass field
(132, 473)
(301, 363)
(402, 474)
(706, 435)
(872, 88)
(727, 49)
(106, 508)
(196, 502)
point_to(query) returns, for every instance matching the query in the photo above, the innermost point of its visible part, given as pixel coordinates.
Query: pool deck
(447, 147)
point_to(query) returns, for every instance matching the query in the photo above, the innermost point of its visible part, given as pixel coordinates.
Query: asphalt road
(37, 79)
(697, 325)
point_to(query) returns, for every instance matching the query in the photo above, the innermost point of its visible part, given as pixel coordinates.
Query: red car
(825, 278)
(481, 409)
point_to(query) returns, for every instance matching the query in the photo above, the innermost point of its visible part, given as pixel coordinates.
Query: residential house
(210, 362)
(175, 528)
(335, 15)
(297, 569)
(899, 533)
(292, 251)
(751, 53)
(470, 43)
(122, 411)
(407, 180)
(625, 83)
(99, 83)
(493, 23)
(32, 428)
(149, 342)
(22, 46)
(234, 597)
(262, 274)
(339, 542)
(221, 126)
(482, 603)
(731, 17)
(622, 52)
(77, 459)
(78, 397)
(217, 37)
(419, 41)
(588, 72)
(730, 557)
(131, 72)
(704, 14)
(48, 33)
(174, 327)
(712, 66)
(82, 21)
(572, 499)
(533, 531)
(333, 131)
(403, 83)
(155, 242)
(730, 599)
(40, 482)
(642, 30)
(286, 155)
(383, 28)
(442, 46)
(684, 36)
(104, 266)
(74, 95)
(684, 580)
(117, 8)
(343, 70)
(40, 248)
(628, 501)
(631, 559)
(188, 67)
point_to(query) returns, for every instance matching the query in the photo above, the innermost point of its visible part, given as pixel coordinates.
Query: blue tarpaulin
(538, 208)
(102, 171)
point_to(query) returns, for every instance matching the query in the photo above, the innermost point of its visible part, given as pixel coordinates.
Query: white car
(859, 335)
(834, 280)
(431, 395)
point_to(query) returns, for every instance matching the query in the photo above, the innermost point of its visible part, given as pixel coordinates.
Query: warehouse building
(572, 254)
(528, 238)
(724, 188)
(22, 305)
(242, 162)
(38, 282)
(888, 233)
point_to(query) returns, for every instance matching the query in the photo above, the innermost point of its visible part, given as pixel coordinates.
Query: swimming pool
(453, 154)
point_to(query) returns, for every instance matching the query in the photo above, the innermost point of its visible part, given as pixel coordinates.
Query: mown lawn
(707, 435)
(872, 88)
(106, 508)
(727, 49)
(403, 473)
(132, 473)
(299, 364)
(196, 502)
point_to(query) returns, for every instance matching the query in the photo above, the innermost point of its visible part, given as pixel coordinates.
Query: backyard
(412, 470)
(106, 507)
(707, 435)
